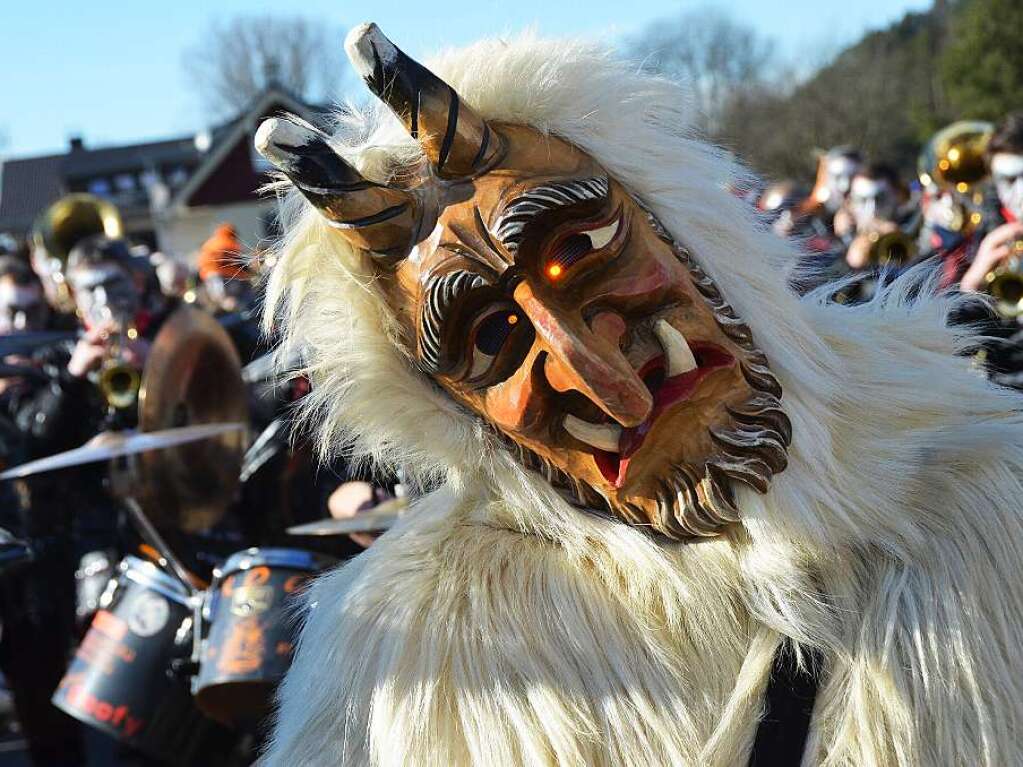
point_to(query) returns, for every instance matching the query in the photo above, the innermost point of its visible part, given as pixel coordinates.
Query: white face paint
(22, 307)
(943, 211)
(1007, 172)
(871, 201)
(103, 292)
(839, 172)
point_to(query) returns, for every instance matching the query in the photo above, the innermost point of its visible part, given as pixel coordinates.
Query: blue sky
(113, 72)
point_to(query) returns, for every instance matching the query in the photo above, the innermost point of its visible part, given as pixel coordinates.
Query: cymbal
(114, 444)
(381, 517)
(192, 376)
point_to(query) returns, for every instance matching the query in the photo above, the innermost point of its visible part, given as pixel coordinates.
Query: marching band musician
(1003, 354)
(100, 275)
(876, 197)
(1005, 157)
(37, 600)
(822, 218)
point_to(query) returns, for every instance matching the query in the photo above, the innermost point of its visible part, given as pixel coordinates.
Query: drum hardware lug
(184, 667)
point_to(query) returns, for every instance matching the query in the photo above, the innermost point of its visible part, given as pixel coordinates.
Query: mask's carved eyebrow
(441, 293)
(511, 225)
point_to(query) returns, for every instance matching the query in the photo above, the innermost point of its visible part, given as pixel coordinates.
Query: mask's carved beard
(697, 500)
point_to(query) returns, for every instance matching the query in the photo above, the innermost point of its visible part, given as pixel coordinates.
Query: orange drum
(249, 631)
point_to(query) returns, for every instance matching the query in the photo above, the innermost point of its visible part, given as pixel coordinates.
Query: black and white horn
(456, 140)
(371, 216)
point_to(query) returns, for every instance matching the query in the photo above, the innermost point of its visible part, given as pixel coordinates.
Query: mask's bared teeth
(602, 436)
(676, 349)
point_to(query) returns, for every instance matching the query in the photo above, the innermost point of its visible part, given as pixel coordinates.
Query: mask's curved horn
(457, 141)
(369, 215)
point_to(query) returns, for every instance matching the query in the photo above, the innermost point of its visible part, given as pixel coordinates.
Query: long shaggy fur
(497, 625)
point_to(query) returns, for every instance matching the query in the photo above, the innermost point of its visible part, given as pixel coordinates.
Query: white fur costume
(496, 625)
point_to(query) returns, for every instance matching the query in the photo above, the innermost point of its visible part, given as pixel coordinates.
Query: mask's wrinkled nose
(587, 357)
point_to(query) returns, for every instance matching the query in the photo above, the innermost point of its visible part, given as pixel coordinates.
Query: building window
(148, 178)
(177, 176)
(125, 182)
(99, 187)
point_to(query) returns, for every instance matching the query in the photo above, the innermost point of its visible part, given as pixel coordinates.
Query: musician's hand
(843, 223)
(136, 352)
(858, 255)
(88, 353)
(348, 500)
(994, 249)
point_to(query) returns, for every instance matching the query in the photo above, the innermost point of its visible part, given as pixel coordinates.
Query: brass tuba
(59, 228)
(73, 218)
(955, 159)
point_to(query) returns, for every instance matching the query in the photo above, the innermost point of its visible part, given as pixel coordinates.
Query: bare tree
(716, 56)
(236, 60)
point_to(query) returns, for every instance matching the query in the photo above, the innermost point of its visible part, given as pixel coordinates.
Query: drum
(249, 631)
(122, 679)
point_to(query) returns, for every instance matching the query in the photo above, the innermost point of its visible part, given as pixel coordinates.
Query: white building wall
(181, 232)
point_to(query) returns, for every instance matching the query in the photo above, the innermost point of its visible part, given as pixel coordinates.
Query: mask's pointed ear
(369, 215)
(456, 140)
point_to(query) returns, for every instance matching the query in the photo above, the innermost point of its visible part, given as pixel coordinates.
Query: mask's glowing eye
(491, 335)
(570, 250)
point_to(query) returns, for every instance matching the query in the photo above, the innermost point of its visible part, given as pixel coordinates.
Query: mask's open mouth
(666, 391)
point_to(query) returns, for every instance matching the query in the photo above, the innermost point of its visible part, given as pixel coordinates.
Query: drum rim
(274, 556)
(148, 575)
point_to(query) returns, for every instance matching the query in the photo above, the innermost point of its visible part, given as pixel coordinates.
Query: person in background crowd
(174, 276)
(779, 202)
(1005, 157)
(823, 211)
(226, 280)
(37, 605)
(102, 275)
(227, 290)
(23, 304)
(876, 197)
(1002, 353)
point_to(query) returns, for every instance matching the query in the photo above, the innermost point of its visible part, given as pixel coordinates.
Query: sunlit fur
(498, 626)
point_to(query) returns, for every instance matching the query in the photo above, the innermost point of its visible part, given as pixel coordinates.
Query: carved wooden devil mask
(543, 296)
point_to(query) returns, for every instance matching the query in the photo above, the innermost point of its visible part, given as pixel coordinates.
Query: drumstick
(154, 539)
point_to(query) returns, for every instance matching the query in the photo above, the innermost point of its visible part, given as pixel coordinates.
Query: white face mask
(871, 200)
(22, 308)
(1007, 172)
(943, 211)
(103, 292)
(839, 173)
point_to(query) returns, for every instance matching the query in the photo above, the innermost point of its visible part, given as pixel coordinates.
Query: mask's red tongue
(666, 392)
(613, 466)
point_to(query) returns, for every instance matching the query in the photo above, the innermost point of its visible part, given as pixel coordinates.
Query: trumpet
(1005, 283)
(894, 248)
(119, 380)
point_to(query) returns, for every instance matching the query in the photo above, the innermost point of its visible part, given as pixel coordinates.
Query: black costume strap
(791, 691)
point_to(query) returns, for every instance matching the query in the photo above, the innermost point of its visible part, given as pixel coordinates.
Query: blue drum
(122, 679)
